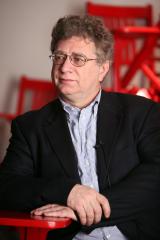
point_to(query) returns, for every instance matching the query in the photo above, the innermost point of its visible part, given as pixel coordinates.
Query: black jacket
(40, 166)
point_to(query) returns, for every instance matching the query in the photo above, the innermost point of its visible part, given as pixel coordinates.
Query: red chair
(144, 58)
(33, 94)
(120, 16)
(117, 19)
(30, 227)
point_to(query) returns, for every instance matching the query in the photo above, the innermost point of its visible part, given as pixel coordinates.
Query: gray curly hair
(89, 27)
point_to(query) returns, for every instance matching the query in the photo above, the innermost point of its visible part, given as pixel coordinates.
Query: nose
(67, 65)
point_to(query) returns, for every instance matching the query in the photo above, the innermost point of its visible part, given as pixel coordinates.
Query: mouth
(66, 80)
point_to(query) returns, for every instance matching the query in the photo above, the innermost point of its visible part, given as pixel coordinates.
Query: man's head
(89, 27)
(81, 52)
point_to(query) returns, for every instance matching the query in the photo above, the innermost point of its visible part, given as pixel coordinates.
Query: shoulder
(127, 100)
(38, 117)
(128, 104)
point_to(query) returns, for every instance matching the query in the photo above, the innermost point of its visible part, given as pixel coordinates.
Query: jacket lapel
(59, 137)
(108, 125)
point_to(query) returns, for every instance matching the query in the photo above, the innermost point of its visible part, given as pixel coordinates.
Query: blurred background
(25, 35)
(25, 30)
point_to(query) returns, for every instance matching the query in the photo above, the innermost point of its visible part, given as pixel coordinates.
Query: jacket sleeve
(139, 191)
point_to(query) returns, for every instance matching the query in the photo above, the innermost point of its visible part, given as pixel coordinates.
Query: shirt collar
(75, 111)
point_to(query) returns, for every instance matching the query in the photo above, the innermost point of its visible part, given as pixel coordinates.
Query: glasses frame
(70, 58)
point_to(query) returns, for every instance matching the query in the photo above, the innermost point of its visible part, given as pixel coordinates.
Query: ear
(104, 68)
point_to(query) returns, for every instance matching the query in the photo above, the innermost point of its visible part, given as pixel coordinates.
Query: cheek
(54, 73)
(92, 77)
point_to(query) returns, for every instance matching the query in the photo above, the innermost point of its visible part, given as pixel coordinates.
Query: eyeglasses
(76, 59)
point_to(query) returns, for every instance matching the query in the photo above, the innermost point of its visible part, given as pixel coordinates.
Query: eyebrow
(74, 53)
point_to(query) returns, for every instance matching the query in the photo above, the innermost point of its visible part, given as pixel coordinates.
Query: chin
(67, 90)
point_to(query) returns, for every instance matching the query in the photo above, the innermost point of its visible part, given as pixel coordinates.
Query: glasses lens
(77, 60)
(59, 58)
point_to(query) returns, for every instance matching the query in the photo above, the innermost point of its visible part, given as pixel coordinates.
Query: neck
(79, 102)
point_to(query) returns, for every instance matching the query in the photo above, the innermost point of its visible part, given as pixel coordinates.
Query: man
(89, 155)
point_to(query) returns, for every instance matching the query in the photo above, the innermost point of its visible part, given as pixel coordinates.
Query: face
(78, 85)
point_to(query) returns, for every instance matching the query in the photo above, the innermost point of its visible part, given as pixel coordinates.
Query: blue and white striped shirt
(82, 124)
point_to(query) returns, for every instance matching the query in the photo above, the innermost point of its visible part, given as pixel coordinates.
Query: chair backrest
(116, 17)
(34, 93)
(120, 16)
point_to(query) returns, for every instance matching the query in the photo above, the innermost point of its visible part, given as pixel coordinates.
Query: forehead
(76, 44)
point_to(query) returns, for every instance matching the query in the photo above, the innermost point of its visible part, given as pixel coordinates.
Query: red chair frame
(41, 92)
(151, 35)
(30, 227)
(119, 16)
(117, 19)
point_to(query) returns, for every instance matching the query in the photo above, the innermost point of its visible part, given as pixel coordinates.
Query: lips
(66, 80)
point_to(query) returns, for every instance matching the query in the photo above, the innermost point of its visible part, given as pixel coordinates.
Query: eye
(59, 57)
(78, 60)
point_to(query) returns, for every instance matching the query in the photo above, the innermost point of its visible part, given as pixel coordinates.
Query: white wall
(25, 28)
(25, 40)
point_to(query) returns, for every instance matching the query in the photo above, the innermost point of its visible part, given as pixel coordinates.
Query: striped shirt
(82, 124)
